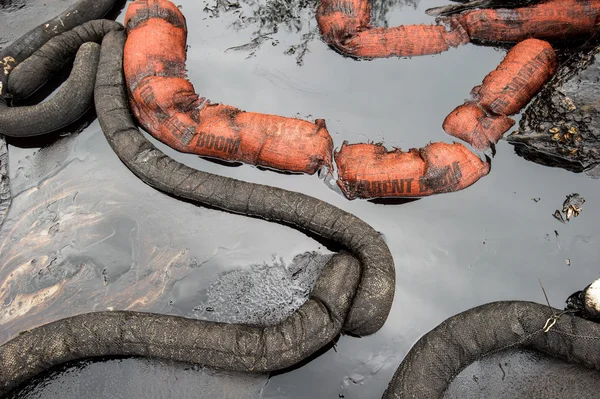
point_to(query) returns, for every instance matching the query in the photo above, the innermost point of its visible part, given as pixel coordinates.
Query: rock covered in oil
(561, 126)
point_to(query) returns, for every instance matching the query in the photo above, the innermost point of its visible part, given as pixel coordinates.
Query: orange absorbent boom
(505, 91)
(370, 171)
(345, 25)
(166, 105)
(550, 20)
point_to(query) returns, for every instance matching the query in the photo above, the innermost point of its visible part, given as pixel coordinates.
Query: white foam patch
(262, 294)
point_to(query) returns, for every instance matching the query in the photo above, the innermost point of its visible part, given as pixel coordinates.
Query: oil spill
(78, 203)
(523, 374)
(130, 378)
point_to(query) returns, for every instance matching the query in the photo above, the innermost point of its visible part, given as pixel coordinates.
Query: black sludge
(226, 346)
(71, 101)
(440, 355)
(375, 293)
(561, 127)
(22, 48)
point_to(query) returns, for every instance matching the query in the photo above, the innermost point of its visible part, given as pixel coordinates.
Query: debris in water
(221, 6)
(572, 206)
(568, 261)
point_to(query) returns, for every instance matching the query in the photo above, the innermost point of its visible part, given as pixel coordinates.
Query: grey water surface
(84, 234)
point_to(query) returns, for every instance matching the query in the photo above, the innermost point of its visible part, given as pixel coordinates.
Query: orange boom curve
(550, 20)
(345, 25)
(166, 105)
(370, 171)
(505, 91)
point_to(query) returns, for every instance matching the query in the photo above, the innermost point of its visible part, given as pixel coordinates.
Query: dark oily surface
(452, 252)
(492, 328)
(523, 374)
(254, 349)
(561, 127)
(140, 378)
(19, 16)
